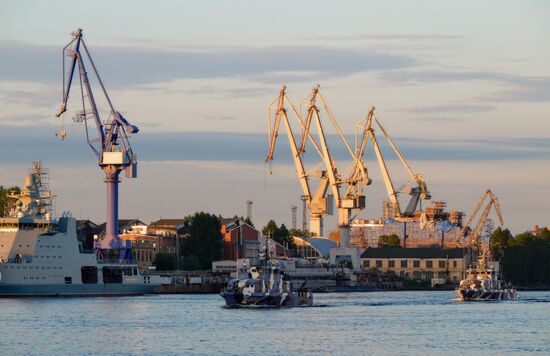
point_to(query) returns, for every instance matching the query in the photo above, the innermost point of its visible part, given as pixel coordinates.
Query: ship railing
(115, 261)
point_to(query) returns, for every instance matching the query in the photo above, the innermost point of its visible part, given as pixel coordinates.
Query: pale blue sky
(461, 85)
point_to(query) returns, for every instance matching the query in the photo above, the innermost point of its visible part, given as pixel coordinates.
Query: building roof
(168, 222)
(129, 222)
(233, 223)
(321, 244)
(424, 252)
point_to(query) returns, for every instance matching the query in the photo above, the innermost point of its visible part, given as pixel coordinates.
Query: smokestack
(293, 209)
(249, 209)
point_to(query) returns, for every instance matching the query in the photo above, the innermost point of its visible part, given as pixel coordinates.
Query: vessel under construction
(41, 256)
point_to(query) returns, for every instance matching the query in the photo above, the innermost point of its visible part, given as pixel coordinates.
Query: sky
(463, 88)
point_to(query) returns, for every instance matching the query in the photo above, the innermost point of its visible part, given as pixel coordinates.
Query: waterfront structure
(42, 256)
(240, 240)
(435, 264)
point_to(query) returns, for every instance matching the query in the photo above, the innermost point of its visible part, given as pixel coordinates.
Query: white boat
(482, 283)
(41, 256)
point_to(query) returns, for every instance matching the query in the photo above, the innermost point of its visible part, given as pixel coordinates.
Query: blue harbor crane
(111, 145)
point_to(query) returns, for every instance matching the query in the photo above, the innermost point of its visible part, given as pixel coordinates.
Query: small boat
(265, 287)
(482, 283)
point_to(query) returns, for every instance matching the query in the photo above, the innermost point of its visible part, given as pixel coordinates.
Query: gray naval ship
(41, 256)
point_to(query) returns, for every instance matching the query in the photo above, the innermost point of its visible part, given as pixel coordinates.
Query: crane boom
(299, 165)
(316, 202)
(112, 146)
(473, 234)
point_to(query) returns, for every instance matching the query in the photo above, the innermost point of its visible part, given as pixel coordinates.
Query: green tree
(270, 229)
(205, 240)
(389, 241)
(165, 262)
(5, 201)
(191, 263)
(526, 260)
(499, 240)
(282, 236)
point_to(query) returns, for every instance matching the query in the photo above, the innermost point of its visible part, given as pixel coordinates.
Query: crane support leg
(316, 224)
(111, 239)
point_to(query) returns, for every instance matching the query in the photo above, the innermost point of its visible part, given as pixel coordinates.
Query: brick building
(240, 240)
(170, 234)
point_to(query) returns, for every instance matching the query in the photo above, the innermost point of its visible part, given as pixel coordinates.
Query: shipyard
(214, 178)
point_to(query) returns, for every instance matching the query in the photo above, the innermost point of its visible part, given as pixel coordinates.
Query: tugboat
(265, 286)
(483, 284)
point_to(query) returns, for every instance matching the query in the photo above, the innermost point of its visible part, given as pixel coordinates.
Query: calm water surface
(400, 323)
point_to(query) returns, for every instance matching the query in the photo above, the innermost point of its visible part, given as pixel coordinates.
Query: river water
(397, 323)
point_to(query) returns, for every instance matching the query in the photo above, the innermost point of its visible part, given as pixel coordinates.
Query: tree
(205, 240)
(389, 241)
(4, 200)
(270, 229)
(248, 221)
(165, 262)
(525, 259)
(280, 234)
(499, 240)
(191, 263)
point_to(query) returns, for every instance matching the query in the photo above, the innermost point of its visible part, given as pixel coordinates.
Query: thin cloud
(449, 108)
(521, 88)
(135, 66)
(251, 148)
(391, 37)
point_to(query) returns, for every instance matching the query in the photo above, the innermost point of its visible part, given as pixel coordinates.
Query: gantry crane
(418, 193)
(318, 203)
(471, 235)
(111, 146)
(351, 200)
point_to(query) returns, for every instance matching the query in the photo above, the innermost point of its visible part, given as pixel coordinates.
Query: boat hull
(83, 290)
(294, 299)
(480, 296)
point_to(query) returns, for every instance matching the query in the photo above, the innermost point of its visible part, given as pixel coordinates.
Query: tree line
(524, 258)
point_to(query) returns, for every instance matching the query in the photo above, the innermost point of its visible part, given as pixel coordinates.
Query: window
(135, 271)
(391, 263)
(379, 263)
(429, 275)
(416, 263)
(429, 264)
(404, 263)
(112, 275)
(441, 275)
(366, 264)
(454, 263)
(402, 273)
(89, 274)
(442, 263)
(68, 280)
(417, 274)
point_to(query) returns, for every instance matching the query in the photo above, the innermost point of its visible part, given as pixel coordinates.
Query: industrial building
(436, 264)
